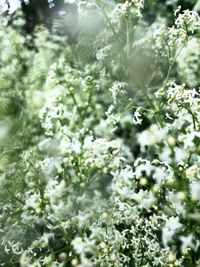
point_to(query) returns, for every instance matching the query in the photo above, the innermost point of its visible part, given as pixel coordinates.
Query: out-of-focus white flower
(45, 238)
(3, 5)
(49, 165)
(103, 52)
(172, 225)
(160, 174)
(81, 246)
(195, 190)
(152, 136)
(191, 172)
(143, 166)
(180, 154)
(25, 260)
(144, 198)
(14, 5)
(31, 201)
(187, 242)
(176, 201)
(55, 189)
(70, 1)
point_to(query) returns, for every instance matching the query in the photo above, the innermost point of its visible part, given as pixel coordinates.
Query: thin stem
(99, 3)
(120, 44)
(127, 38)
(156, 111)
(170, 69)
(74, 99)
(191, 113)
(14, 197)
(172, 64)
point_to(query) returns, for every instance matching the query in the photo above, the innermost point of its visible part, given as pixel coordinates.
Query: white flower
(14, 5)
(25, 260)
(44, 240)
(174, 199)
(49, 145)
(144, 198)
(171, 227)
(55, 189)
(191, 172)
(161, 174)
(180, 154)
(83, 219)
(49, 165)
(70, 1)
(195, 190)
(143, 166)
(103, 52)
(165, 155)
(137, 117)
(79, 245)
(116, 89)
(3, 5)
(31, 201)
(100, 146)
(187, 242)
(151, 136)
(144, 139)
(61, 210)
(189, 20)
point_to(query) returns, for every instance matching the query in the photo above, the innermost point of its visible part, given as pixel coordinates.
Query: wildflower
(12, 7)
(171, 227)
(191, 172)
(137, 117)
(195, 190)
(172, 257)
(187, 242)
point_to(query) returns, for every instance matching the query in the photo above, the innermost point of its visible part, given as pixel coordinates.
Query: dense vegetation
(99, 134)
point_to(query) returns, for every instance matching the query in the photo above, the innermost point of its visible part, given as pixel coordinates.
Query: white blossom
(172, 226)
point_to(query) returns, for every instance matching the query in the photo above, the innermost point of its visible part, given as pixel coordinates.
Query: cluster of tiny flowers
(188, 20)
(106, 171)
(166, 38)
(188, 64)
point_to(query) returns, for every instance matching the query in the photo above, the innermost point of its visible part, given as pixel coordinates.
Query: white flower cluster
(132, 7)
(105, 168)
(11, 5)
(188, 20)
(188, 63)
(170, 40)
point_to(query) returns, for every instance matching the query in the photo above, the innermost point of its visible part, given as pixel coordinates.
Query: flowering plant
(99, 140)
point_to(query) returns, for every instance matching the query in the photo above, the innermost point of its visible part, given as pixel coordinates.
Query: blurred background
(62, 15)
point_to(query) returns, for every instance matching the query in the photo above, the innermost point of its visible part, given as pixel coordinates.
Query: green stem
(14, 197)
(117, 37)
(100, 4)
(127, 38)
